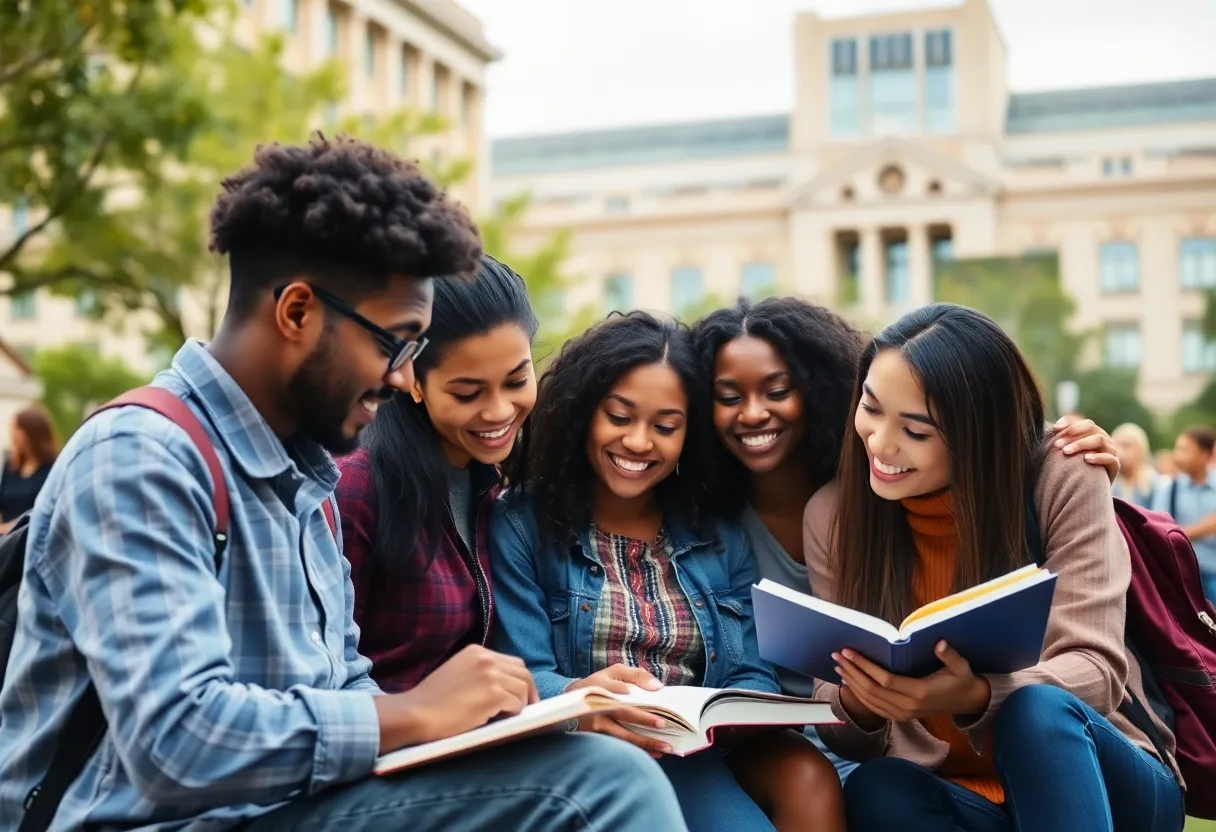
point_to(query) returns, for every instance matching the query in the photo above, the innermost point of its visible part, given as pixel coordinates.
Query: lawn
(1193, 825)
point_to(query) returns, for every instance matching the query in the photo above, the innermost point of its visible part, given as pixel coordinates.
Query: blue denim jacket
(546, 599)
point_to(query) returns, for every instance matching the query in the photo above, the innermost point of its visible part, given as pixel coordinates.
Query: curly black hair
(822, 352)
(342, 212)
(557, 472)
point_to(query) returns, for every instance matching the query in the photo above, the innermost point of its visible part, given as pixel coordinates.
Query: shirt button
(586, 608)
(316, 636)
(580, 657)
(713, 655)
(699, 602)
(595, 570)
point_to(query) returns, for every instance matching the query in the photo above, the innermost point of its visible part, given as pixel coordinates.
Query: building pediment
(890, 172)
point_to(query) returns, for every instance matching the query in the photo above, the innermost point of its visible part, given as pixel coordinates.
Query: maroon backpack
(1171, 631)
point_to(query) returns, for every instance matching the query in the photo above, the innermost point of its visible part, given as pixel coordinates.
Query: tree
(1108, 396)
(75, 380)
(145, 253)
(1025, 297)
(91, 103)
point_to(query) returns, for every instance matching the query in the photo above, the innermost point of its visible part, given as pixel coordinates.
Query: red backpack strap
(174, 409)
(328, 508)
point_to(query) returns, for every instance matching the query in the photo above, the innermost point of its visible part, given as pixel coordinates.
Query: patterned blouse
(644, 619)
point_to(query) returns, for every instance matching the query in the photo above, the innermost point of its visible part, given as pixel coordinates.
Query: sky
(587, 64)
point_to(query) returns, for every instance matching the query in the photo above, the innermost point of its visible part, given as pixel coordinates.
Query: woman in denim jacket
(607, 573)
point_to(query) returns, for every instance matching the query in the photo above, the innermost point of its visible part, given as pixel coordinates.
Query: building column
(356, 42)
(920, 266)
(312, 24)
(870, 281)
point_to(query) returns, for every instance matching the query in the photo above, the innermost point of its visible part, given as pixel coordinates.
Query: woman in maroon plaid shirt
(415, 498)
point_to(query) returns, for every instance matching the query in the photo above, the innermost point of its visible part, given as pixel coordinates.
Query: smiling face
(479, 394)
(758, 415)
(637, 432)
(908, 457)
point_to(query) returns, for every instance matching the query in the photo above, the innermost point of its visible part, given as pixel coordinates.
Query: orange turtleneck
(935, 536)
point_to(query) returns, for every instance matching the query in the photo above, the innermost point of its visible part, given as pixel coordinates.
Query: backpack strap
(86, 725)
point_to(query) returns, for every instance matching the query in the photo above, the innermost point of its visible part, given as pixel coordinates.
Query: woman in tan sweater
(948, 438)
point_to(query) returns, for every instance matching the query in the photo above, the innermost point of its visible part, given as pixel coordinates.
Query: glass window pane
(618, 293)
(758, 280)
(687, 289)
(898, 281)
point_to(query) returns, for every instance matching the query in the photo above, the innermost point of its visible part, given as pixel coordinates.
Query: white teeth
(631, 465)
(371, 405)
(494, 434)
(759, 440)
(889, 469)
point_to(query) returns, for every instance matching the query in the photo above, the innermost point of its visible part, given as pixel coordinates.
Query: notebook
(997, 626)
(692, 715)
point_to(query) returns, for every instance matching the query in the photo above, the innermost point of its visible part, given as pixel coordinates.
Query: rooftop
(1057, 111)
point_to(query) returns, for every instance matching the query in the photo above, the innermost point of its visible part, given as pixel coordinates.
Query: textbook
(692, 714)
(997, 626)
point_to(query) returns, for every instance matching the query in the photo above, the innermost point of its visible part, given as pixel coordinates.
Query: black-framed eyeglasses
(399, 350)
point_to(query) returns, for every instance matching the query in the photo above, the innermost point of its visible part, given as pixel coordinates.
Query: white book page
(848, 616)
(974, 603)
(685, 701)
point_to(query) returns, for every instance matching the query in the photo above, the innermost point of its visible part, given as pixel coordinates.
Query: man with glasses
(232, 688)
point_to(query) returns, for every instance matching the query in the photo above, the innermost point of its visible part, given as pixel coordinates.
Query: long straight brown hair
(989, 413)
(39, 433)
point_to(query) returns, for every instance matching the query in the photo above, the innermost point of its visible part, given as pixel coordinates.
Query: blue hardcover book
(998, 627)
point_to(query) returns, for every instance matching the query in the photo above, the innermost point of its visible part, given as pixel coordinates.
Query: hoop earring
(677, 469)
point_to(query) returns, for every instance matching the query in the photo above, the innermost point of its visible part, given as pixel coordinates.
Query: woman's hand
(617, 679)
(953, 690)
(1074, 435)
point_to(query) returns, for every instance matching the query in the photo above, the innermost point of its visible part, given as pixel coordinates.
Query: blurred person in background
(32, 451)
(1190, 498)
(1137, 476)
(1164, 460)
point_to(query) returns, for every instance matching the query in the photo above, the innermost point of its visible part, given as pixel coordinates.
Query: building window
(369, 53)
(1197, 263)
(618, 293)
(616, 205)
(899, 282)
(1118, 267)
(892, 85)
(403, 75)
(21, 216)
(1198, 353)
(436, 88)
(23, 306)
(942, 248)
(845, 90)
(331, 31)
(687, 289)
(87, 303)
(939, 81)
(1123, 346)
(1113, 166)
(289, 14)
(758, 280)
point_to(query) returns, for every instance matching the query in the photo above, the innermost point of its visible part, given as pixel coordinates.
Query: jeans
(1063, 766)
(712, 800)
(551, 784)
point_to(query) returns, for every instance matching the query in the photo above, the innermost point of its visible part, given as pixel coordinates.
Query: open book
(691, 714)
(997, 626)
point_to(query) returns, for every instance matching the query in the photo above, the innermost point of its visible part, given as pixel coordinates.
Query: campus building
(904, 146)
(426, 55)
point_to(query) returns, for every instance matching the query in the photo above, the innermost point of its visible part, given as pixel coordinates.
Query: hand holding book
(953, 690)
(617, 679)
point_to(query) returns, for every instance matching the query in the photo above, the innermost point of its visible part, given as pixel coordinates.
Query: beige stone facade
(426, 55)
(904, 145)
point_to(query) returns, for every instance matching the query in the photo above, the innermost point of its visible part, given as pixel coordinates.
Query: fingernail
(836, 657)
(666, 749)
(848, 654)
(1089, 457)
(839, 672)
(1059, 443)
(660, 723)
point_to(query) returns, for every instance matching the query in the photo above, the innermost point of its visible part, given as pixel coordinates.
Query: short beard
(323, 399)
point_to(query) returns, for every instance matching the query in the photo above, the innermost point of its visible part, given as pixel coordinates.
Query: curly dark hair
(342, 212)
(556, 470)
(822, 352)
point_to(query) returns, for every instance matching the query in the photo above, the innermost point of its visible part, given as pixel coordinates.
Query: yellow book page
(967, 594)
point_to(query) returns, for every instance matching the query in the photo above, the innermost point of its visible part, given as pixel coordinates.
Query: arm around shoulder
(522, 627)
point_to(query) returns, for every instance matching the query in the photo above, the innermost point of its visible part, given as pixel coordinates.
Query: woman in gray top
(781, 374)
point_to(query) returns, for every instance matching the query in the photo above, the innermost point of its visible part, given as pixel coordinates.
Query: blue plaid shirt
(226, 694)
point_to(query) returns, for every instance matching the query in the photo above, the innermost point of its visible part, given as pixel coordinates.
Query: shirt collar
(252, 445)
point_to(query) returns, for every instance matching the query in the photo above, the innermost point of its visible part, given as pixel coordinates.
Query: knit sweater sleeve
(1083, 650)
(848, 739)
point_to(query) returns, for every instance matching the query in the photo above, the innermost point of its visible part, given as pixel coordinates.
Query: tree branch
(21, 67)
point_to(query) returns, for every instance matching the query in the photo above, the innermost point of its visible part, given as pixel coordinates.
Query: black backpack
(86, 724)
